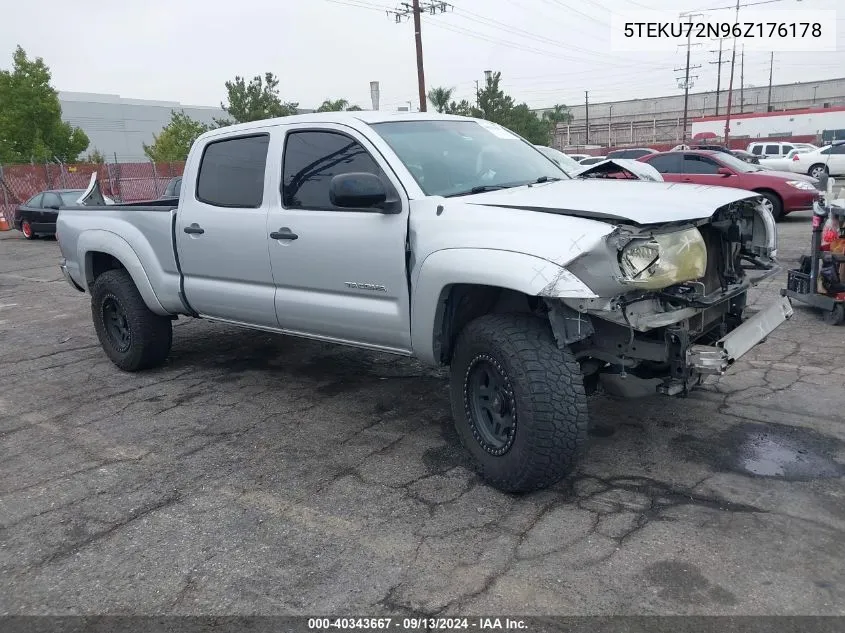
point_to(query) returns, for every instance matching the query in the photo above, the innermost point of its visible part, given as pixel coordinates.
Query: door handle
(283, 233)
(194, 229)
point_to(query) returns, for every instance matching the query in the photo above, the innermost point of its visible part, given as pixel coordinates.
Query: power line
(686, 83)
(414, 9)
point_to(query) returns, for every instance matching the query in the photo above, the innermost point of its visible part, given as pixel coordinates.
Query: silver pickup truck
(445, 238)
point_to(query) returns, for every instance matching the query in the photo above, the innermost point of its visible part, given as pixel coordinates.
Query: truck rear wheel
(518, 402)
(133, 336)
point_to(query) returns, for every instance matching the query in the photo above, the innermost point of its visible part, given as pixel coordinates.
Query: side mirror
(359, 190)
(724, 171)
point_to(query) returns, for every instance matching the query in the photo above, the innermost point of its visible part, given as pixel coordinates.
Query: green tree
(494, 105)
(256, 100)
(96, 157)
(440, 98)
(558, 114)
(463, 108)
(175, 139)
(337, 105)
(31, 126)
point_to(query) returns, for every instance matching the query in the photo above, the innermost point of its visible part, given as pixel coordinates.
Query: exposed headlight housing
(801, 184)
(664, 260)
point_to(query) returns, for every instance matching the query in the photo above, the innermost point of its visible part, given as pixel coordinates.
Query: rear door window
(667, 163)
(772, 150)
(51, 200)
(231, 173)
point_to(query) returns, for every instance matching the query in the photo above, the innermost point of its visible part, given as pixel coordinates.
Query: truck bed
(142, 239)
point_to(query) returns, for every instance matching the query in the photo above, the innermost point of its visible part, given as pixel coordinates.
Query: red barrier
(123, 182)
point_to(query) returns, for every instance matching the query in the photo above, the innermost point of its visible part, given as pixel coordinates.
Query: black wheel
(773, 203)
(518, 402)
(835, 316)
(818, 170)
(132, 336)
(26, 229)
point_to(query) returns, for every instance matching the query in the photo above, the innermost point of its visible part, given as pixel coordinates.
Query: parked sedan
(745, 157)
(781, 163)
(37, 216)
(631, 152)
(828, 160)
(783, 192)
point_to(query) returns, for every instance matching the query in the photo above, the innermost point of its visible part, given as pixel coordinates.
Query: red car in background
(783, 191)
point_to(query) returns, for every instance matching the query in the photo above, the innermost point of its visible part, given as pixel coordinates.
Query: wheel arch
(99, 251)
(456, 286)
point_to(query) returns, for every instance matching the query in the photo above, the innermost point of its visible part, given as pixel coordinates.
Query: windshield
(459, 157)
(568, 163)
(736, 164)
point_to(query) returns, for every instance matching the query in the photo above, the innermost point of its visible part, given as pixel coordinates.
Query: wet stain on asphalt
(684, 582)
(759, 450)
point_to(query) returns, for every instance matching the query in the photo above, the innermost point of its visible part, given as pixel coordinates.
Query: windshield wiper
(543, 179)
(479, 189)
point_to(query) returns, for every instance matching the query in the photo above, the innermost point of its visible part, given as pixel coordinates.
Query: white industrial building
(118, 127)
(660, 119)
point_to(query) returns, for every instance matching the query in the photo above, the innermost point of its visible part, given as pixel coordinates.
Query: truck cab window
(312, 159)
(231, 173)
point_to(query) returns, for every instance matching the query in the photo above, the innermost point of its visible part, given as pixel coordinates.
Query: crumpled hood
(633, 201)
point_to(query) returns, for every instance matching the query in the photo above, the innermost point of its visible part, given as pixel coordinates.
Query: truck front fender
(511, 270)
(100, 241)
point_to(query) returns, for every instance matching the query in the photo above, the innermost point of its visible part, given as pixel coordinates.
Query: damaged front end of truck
(671, 298)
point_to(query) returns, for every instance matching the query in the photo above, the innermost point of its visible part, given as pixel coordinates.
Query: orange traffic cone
(4, 224)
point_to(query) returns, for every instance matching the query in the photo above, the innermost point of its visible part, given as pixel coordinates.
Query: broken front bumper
(707, 360)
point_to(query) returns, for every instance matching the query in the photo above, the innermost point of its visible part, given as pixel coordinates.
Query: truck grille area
(715, 258)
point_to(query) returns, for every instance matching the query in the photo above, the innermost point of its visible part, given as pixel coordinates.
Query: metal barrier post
(155, 178)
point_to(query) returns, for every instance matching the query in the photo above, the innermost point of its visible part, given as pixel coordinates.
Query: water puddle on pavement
(767, 453)
(760, 450)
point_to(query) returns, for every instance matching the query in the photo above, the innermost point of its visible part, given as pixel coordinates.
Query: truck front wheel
(518, 402)
(133, 336)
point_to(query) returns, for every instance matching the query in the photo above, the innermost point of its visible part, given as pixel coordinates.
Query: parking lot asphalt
(259, 474)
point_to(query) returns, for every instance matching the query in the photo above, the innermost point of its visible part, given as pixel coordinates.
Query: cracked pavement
(258, 474)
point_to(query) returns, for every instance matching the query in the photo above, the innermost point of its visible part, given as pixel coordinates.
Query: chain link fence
(123, 182)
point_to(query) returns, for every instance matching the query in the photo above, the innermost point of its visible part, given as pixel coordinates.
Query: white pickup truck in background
(448, 239)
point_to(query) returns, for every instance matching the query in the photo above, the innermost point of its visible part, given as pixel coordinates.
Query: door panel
(223, 254)
(343, 277)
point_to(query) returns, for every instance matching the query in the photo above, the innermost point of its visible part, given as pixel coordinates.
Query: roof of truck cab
(343, 118)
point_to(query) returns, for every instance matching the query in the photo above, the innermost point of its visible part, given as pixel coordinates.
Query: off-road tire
(149, 335)
(546, 389)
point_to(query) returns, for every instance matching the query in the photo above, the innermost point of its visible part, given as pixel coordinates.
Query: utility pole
(731, 84)
(719, 74)
(587, 117)
(771, 66)
(414, 9)
(742, 80)
(686, 83)
(477, 95)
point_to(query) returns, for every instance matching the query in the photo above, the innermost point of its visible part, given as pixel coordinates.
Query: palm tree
(440, 98)
(333, 105)
(558, 114)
